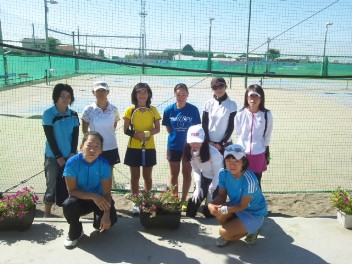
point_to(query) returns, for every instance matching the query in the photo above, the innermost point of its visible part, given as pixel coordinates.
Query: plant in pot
(158, 210)
(17, 210)
(342, 200)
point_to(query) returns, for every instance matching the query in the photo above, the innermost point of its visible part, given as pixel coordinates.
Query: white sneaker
(221, 242)
(70, 244)
(135, 210)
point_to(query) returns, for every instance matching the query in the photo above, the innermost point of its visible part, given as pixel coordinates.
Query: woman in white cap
(206, 162)
(244, 214)
(101, 116)
(253, 126)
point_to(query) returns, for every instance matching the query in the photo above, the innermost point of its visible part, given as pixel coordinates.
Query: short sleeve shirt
(179, 120)
(88, 175)
(63, 125)
(219, 115)
(102, 122)
(142, 121)
(246, 185)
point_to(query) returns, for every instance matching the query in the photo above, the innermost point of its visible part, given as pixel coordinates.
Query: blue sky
(166, 20)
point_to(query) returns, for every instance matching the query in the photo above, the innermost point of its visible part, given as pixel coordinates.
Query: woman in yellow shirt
(141, 123)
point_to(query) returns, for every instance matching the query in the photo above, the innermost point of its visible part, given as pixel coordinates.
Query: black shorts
(174, 155)
(133, 157)
(112, 156)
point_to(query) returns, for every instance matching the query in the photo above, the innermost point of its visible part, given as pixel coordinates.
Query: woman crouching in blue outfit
(88, 180)
(244, 214)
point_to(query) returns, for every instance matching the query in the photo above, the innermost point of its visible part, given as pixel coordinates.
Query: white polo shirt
(103, 123)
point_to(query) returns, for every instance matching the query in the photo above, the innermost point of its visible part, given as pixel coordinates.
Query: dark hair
(244, 160)
(62, 87)
(135, 90)
(92, 133)
(181, 86)
(258, 89)
(204, 152)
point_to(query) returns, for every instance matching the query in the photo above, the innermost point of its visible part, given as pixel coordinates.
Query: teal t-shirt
(246, 185)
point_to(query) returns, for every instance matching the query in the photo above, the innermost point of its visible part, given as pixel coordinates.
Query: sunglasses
(102, 84)
(235, 149)
(218, 86)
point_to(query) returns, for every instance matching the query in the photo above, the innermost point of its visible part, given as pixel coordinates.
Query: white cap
(100, 85)
(195, 134)
(235, 150)
(253, 92)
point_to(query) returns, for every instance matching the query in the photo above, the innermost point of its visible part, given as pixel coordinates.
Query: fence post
(324, 69)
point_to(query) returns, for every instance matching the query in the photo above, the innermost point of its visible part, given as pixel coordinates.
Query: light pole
(267, 56)
(248, 35)
(324, 70)
(46, 9)
(326, 34)
(209, 55)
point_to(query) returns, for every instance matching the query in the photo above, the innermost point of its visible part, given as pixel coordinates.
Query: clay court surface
(312, 121)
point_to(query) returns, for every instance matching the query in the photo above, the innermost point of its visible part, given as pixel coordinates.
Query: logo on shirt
(181, 120)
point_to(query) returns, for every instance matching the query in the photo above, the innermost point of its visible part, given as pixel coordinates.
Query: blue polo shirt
(246, 185)
(179, 120)
(88, 175)
(63, 125)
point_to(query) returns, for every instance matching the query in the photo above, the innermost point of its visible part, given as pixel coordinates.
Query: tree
(273, 54)
(53, 43)
(188, 50)
(220, 56)
(101, 54)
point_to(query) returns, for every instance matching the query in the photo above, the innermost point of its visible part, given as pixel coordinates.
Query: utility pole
(143, 39)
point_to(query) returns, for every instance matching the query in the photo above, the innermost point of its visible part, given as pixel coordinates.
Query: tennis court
(310, 147)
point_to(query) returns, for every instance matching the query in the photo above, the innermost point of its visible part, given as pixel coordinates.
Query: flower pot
(19, 224)
(164, 220)
(344, 219)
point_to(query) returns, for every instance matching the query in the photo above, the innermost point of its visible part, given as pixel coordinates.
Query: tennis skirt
(251, 222)
(133, 157)
(257, 163)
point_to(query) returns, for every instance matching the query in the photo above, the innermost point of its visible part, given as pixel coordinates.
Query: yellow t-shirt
(142, 121)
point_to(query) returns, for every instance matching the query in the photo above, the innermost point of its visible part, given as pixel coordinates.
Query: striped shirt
(246, 185)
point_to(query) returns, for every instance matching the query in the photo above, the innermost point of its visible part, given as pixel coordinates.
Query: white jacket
(209, 169)
(249, 129)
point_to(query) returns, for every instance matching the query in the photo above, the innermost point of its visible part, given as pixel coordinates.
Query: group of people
(204, 146)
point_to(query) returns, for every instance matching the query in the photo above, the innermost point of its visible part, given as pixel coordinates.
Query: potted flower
(17, 210)
(342, 200)
(158, 210)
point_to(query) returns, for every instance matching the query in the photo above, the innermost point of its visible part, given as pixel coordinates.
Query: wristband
(58, 156)
(129, 132)
(147, 133)
(224, 210)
